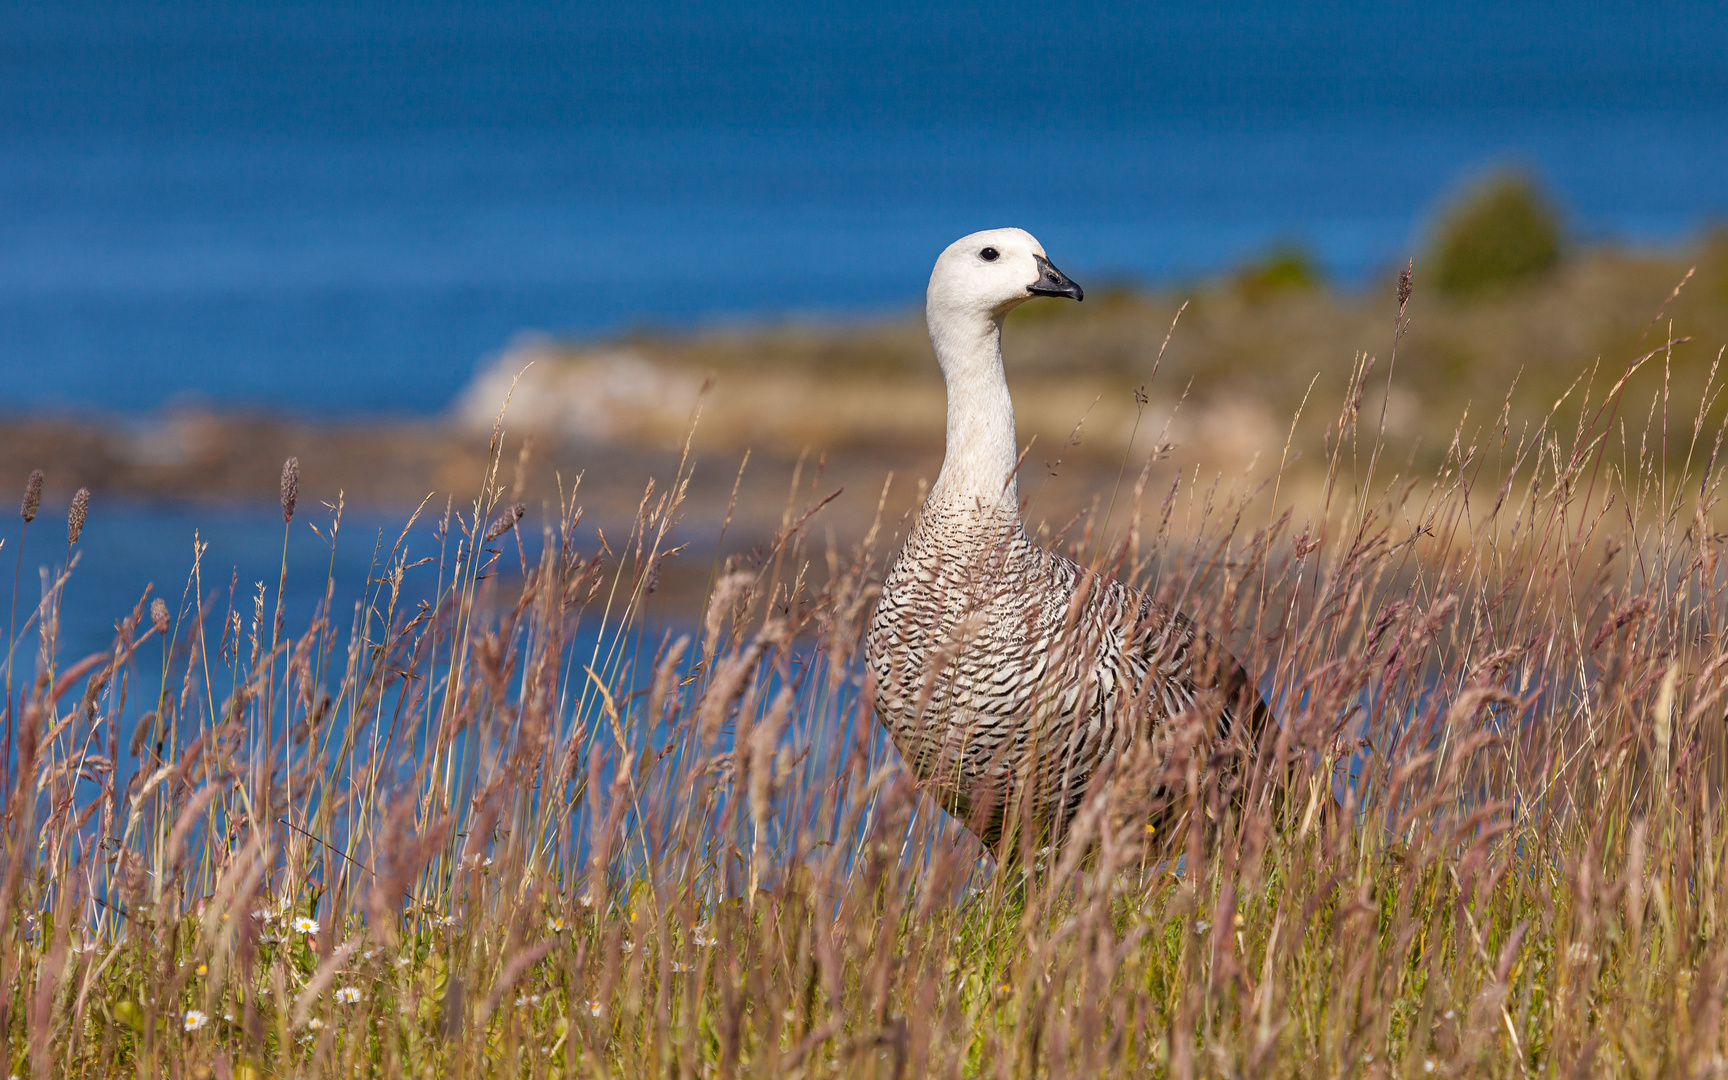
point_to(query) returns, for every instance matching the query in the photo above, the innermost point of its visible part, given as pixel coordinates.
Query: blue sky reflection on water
(328, 209)
(130, 545)
(127, 546)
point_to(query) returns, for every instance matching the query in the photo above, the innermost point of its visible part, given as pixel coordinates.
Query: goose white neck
(978, 467)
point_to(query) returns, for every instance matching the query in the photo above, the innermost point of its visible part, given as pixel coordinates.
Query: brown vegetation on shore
(863, 400)
(1241, 360)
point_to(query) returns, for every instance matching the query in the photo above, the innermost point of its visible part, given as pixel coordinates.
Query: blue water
(130, 545)
(325, 209)
(131, 549)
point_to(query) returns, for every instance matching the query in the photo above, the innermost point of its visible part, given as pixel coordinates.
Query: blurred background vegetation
(1501, 233)
(1508, 316)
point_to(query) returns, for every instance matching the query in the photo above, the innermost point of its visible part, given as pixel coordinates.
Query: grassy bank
(1486, 837)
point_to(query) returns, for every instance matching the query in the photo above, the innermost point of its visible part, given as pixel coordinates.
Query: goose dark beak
(1053, 282)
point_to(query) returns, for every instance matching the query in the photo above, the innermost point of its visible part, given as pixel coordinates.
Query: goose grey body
(1001, 669)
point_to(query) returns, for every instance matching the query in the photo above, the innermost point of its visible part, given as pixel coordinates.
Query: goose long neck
(978, 467)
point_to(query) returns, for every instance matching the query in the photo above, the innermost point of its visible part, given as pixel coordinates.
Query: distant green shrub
(1286, 268)
(1502, 232)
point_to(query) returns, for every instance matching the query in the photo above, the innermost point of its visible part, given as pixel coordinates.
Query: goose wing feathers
(999, 663)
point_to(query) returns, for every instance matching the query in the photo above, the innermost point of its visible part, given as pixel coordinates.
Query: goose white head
(977, 281)
(991, 273)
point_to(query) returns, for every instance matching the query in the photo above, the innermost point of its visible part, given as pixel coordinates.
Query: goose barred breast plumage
(1003, 670)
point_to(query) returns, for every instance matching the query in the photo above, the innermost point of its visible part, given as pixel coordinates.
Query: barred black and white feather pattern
(1001, 667)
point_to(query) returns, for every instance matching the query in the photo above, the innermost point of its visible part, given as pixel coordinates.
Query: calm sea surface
(341, 208)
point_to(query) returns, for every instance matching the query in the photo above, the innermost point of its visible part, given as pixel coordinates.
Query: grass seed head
(506, 521)
(32, 497)
(290, 488)
(75, 516)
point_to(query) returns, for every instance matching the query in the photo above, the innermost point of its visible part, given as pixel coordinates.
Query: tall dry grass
(514, 831)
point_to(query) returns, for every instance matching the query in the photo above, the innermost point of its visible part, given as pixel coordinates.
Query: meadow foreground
(518, 829)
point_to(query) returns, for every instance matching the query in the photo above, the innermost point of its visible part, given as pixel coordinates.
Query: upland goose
(1005, 673)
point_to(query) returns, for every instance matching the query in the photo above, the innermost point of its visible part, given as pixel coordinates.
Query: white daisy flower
(348, 995)
(314, 1023)
(304, 925)
(628, 947)
(555, 924)
(594, 1009)
(193, 1020)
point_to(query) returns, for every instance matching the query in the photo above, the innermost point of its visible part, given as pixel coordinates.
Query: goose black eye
(989, 255)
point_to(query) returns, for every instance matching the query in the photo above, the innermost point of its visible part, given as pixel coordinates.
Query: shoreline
(1251, 377)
